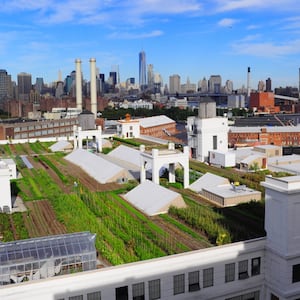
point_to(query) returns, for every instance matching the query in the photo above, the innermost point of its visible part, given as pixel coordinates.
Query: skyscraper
(142, 70)
(150, 75)
(214, 84)
(269, 85)
(5, 86)
(174, 84)
(24, 86)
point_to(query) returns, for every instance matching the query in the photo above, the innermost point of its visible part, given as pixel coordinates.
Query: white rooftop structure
(208, 180)
(97, 167)
(287, 163)
(220, 191)
(11, 165)
(153, 199)
(126, 153)
(155, 121)
(5, 176)
(158, 159)
(61, 146)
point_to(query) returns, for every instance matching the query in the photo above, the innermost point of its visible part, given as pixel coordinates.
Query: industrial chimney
(93, 88)
(78, 84)
(248, 83)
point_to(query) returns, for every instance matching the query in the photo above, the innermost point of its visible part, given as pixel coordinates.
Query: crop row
(205, 220)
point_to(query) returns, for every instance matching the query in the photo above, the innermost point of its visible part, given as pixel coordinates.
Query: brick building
(37, 129)
(158, 126)
(263, 102)
(251, 136)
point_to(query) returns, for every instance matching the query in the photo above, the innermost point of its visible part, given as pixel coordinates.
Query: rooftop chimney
(248, 83)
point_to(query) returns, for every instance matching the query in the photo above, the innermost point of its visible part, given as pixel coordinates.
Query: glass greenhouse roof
(44, 248)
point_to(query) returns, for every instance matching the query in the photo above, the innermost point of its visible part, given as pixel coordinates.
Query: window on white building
(229, 272)
(178, 284)
(215, 142)
(78, 297)
(154, 289)
(122, 293)
(255, 266)
(194, 284)
(296, 273)
(94, 296)
(208, 277)
(243, 269)
(138, 291)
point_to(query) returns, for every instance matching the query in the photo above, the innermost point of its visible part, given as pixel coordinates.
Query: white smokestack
(78, 84)
(248, 83)
(93, 87)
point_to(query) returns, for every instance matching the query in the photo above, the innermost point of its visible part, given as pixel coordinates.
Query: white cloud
(230, 5)
(131, 36)
(267, 49)
(97, 11)
(227, 22)
(253, 27)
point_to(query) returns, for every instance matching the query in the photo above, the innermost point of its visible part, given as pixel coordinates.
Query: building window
(138, 291)
(94, 296)
(122, 293)
(229, 272)
(178, 284)
(154, 289)
(208, 277)
(255, 266)
(78, 297)
(273, 297)
(296, 273)
(215, 142)
(194, 284)
(243, 269)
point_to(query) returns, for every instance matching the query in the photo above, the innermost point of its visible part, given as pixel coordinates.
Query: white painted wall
(5, 198)
(200, 135)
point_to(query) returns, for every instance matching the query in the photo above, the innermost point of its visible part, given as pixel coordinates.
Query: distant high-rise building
(261, 86)
(115, 69)
(150, 76)
(39, 84)
(142, 70)
(188, 87)
(269, 85)
(214, 84)
(174, 84)
(113, 77)
(228, 86)
(204, 85)
(158, 83)
(24, 86)
(68, 84)
(5, 86)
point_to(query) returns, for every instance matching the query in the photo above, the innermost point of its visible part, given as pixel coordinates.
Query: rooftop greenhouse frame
(43, 257)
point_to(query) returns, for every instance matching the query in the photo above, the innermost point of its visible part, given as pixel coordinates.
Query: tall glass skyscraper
(142, 70)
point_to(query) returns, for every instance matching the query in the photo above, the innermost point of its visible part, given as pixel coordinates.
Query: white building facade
(207, 132)
(6, 173)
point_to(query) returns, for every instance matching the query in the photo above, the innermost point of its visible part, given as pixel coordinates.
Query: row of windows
(46, 125)
(154, 286)
(33, 134)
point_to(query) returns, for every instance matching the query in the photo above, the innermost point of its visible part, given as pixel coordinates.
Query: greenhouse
(43, 257)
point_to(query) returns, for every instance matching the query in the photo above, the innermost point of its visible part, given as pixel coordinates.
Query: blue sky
(192, 38)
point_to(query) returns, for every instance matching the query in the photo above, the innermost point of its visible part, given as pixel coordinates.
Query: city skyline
(193, 39)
